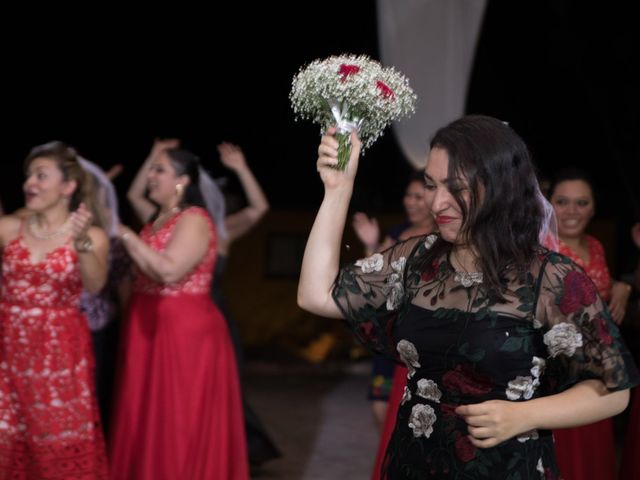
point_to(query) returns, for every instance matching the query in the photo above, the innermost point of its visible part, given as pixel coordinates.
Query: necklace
(163, 216)
(36, 231)
(466, 279)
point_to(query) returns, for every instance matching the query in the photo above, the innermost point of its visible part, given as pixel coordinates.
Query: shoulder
(395, 231)
(417, 245)
(9, 227)
(194, 218)
(559, 271)
(594, 244)
(97, 234)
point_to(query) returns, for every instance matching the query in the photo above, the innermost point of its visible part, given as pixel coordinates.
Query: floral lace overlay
(49, 425)
(461, 347)
(197, 281)
(596, 268)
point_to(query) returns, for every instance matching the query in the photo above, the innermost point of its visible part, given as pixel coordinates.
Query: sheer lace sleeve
(581, 339)
(371, 294)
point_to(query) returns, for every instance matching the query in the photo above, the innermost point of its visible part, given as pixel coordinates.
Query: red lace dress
(178, 411)
(49, 425)
(588, 452)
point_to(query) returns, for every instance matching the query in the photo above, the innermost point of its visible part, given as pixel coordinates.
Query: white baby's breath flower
(352, 92)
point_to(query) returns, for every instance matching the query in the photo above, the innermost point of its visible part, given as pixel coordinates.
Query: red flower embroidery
(367, 331)
(466, 381)
(385, 91)
(346, 70)
(465, 450)
(430, 272)
(579, 291)
(603, 330)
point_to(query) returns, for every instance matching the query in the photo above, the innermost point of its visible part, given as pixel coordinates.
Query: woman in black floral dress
(504, 340)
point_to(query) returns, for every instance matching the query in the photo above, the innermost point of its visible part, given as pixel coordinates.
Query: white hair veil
(214, 200)
(106, 194)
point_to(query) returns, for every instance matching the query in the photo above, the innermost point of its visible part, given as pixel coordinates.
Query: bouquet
(354, 93)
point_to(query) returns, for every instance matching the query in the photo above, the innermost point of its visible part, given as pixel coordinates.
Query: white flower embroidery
(530, 435)
(524, 387)
(540, 468)
(409, 355)
(428, 389)
(374, 263)
(538, 367)
(406, 395)
(563, 338)
(430, 240)
(521, 387)
(394, 289)
(421, 420)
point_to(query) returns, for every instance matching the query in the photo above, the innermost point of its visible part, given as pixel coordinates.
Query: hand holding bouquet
(353, 93)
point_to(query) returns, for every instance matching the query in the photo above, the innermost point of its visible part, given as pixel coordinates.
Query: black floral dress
(462, 348)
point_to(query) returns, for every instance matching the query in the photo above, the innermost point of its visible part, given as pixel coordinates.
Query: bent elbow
(302, 301)
(96, 286)
(622, 401)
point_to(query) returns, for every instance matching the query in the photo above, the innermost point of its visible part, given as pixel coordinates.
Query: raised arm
(322, 254)
(187, 247)
(239, 223)
(141, 205)
(368, 231)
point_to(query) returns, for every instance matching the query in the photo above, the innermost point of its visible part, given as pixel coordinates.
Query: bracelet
(83, 245)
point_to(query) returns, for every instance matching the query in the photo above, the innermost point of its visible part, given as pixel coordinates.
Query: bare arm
(620, 292)
(495, 421)
(92, 247)
(322, 254)
(187, 247)
(239, 223)
(141, 205)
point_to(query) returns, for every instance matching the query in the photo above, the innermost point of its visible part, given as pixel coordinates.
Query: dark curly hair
(503, 219)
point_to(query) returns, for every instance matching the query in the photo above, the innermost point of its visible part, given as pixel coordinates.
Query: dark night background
(110, 81)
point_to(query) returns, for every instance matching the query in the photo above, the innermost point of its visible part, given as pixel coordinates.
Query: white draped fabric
(433, 43)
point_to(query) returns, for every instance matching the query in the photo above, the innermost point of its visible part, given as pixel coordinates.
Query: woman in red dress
(178, 410)
(631, 453)
(586, 452)
(49, 422)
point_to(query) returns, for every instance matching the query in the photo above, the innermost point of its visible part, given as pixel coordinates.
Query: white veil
(105, 193)
(214, 200)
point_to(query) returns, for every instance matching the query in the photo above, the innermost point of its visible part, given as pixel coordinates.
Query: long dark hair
(504, 216)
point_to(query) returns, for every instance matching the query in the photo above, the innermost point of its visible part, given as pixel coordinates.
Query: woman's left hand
(80, 222)
(619, 297)
(492, 422)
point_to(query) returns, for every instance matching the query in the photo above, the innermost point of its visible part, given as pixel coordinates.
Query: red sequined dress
(49, 422)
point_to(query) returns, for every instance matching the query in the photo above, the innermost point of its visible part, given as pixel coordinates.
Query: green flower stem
(344, 150)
